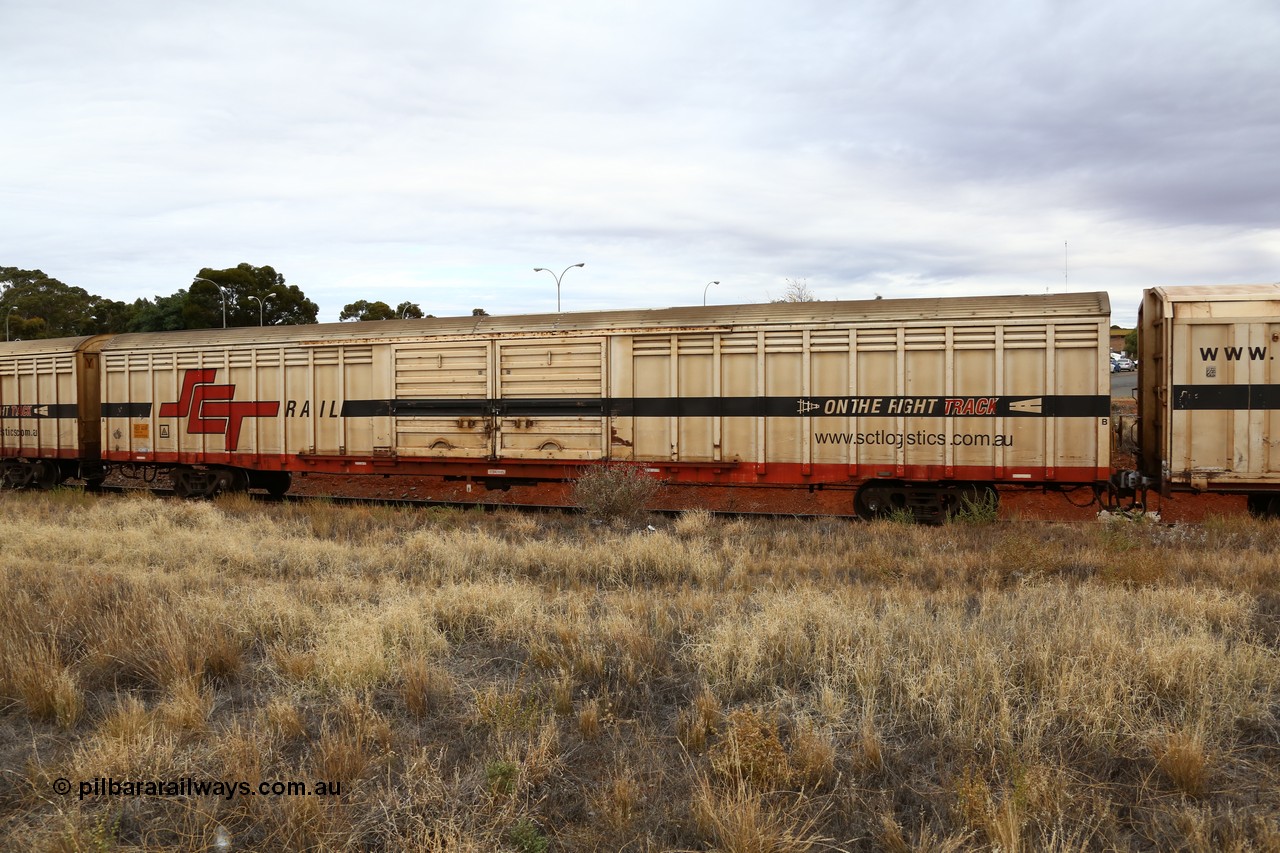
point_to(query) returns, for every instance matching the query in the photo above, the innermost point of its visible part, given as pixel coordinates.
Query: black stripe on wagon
(126, 410)
(415, 408)
(475, 408)
(51, 410)
(1058, 406)
(1226, 397)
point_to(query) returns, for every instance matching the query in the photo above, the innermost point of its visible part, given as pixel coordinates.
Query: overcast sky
(438, 152)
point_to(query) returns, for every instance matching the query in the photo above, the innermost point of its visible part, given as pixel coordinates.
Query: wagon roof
(1218, 292)
(45, 346)
(1087, 306)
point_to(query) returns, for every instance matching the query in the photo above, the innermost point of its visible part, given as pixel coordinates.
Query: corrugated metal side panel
(133, 385)
(653, 375)
(550, 368)
(1024, 347)
(38, 400)
(1153, 383)
(567, 370)
(450, 370)
(856, 374)
(205, 405)
(1216, 397)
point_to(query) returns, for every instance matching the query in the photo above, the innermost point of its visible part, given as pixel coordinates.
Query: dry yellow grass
(507, 681)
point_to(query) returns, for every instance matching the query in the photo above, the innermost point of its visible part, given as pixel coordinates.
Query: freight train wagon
(1209, 391)
(49, 414)
(908, 402)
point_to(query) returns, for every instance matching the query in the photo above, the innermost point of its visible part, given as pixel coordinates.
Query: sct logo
(208, 407)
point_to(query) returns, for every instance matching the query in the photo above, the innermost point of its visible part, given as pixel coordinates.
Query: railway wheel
(891, 498)
(209, 483)
(280, 484)
(46, 474)
(32, 474)
(93, 475)
(879, 500)
(926, 503)
(184, 485)
(220, 481)
(276, 483)
(1264, 506)
(15, 474)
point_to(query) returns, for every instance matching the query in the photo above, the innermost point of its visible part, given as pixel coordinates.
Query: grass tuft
(618, 493)
(1183, 758)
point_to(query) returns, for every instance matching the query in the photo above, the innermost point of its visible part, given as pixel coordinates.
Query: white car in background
(1121, 362)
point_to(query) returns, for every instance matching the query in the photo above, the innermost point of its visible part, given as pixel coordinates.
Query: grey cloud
(861, 146)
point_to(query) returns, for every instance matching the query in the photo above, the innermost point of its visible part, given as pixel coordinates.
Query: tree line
(362, 309)
(36, 305)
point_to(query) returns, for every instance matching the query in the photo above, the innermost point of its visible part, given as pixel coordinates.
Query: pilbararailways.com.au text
(226, 789)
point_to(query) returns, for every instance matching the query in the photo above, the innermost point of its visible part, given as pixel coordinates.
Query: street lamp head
(557, 278)
(705, 289)
(262, 301)
(222, 293)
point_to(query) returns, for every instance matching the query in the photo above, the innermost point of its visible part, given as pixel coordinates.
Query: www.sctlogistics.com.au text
(919, 438)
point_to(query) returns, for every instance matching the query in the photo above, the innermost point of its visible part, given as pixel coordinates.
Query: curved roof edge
(1218, 292)
(50, 346)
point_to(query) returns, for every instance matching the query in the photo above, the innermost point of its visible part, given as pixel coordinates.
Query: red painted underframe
(772, 473)
(38, 453)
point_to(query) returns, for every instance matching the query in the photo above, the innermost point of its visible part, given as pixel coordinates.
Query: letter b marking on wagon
(209, 408)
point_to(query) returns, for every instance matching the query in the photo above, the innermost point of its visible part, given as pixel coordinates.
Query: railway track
(341, 500)
(427, 503)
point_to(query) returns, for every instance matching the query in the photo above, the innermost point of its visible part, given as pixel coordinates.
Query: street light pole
(260, 302)
(221, 293)
(12, 308)
(557, 278)
(704, 291)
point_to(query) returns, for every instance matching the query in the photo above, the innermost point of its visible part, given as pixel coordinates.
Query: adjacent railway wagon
(902, 403)
(1209, 390)
(49, 414)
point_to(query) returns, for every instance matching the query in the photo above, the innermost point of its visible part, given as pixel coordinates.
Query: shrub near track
(505, 681)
